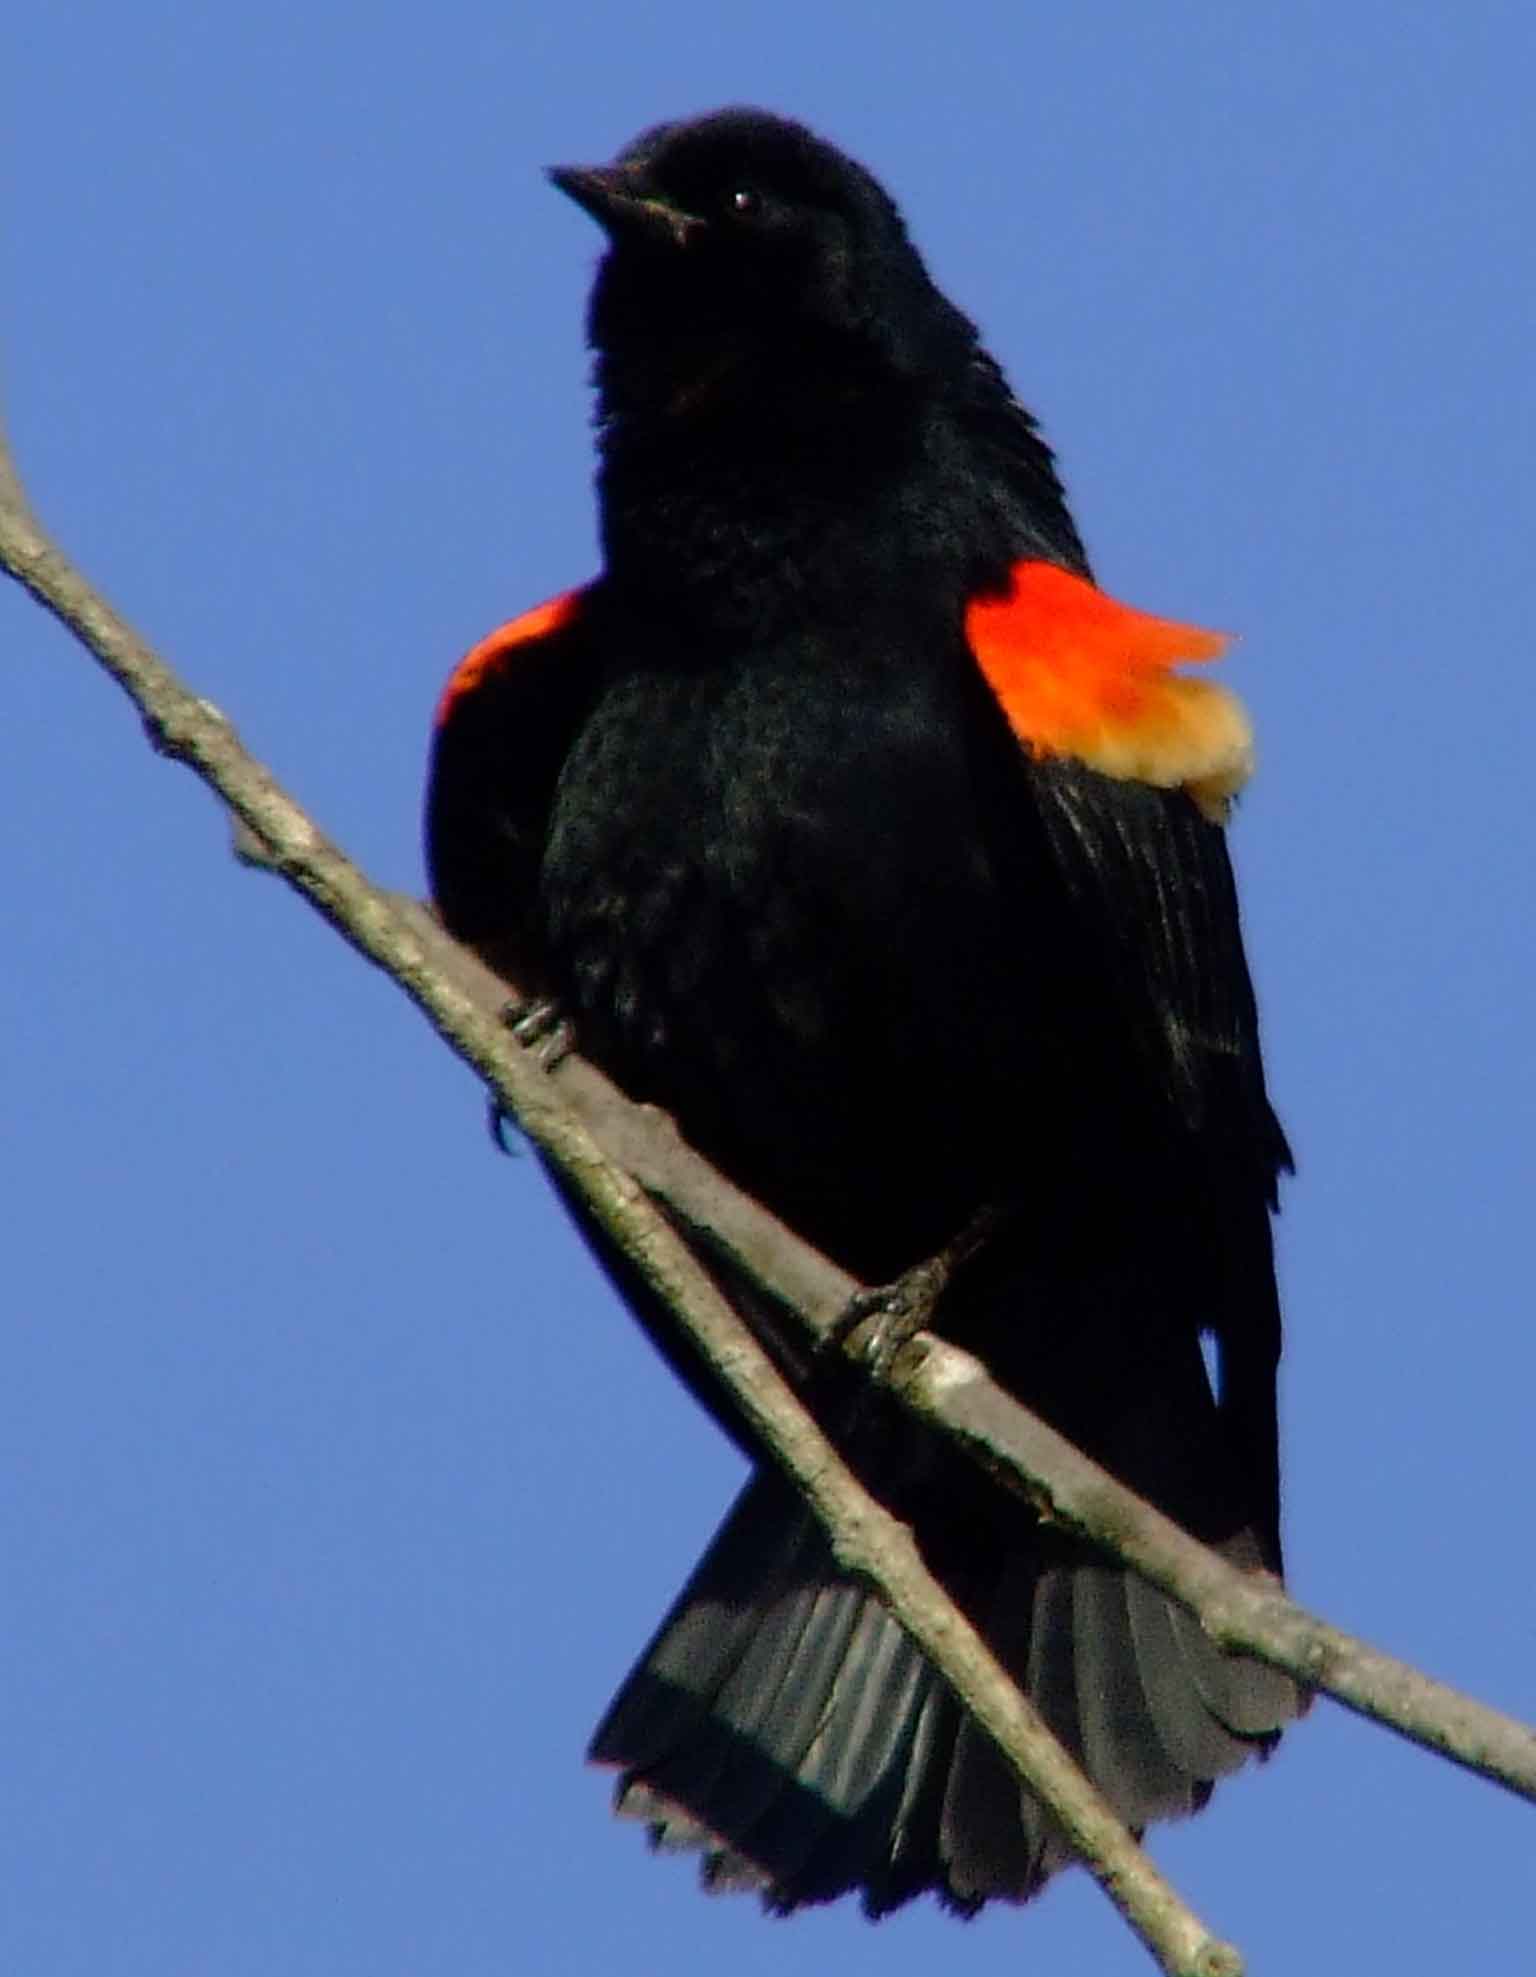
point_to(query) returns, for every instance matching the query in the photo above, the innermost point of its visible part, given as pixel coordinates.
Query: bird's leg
(877, 1323)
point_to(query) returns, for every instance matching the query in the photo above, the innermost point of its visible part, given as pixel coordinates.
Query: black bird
(849, 821)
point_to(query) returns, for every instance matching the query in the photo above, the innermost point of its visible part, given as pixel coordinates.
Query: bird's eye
(744, 201)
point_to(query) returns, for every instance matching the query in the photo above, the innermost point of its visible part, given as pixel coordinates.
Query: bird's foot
(536, 1022)
(541, 1026)
(878, 1323)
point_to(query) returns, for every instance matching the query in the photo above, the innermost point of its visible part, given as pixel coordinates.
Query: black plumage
(750, 807)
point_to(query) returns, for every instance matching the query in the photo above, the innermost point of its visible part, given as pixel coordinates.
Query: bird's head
(741, 236)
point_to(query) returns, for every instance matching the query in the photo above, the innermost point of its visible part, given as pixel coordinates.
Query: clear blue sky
(335, 1492)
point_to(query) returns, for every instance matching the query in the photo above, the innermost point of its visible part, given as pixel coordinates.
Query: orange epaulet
(499, 648)
(1078, 674)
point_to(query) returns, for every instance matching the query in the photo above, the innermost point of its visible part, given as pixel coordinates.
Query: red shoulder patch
(1078, 674)
(500, 648)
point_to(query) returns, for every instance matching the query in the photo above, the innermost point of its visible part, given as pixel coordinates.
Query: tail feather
(888, 1851)
(852, 1770)
(798, 1657)
(994, 1835)
(1135, 1771)
(711, 1628)
(1243, 1695)
(1172, 1672)
(782, 1725)
(775, 1716)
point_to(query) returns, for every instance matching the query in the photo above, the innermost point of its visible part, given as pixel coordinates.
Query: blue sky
(335, 1493)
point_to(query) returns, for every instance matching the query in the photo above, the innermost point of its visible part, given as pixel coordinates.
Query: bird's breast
(773, 903)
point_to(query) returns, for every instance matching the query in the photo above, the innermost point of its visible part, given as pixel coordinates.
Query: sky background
(336, 1494)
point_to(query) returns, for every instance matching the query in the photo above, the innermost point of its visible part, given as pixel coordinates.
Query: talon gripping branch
(851, 822)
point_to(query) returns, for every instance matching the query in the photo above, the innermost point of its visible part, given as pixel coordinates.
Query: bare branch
(951, 1389)
(625, 1158)
(272, 830)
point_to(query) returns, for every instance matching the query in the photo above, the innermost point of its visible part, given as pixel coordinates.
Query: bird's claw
(503, 1129)
(876, 1324)
(540, 1026)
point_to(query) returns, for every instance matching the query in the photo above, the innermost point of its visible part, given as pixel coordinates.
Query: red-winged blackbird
(848, 821)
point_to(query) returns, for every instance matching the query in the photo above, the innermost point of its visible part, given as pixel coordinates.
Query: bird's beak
(622, 204)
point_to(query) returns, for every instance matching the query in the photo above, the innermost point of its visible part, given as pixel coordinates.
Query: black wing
(505, 724)
(1150, 885)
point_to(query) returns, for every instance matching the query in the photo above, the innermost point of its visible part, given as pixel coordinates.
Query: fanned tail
(783, 1726)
